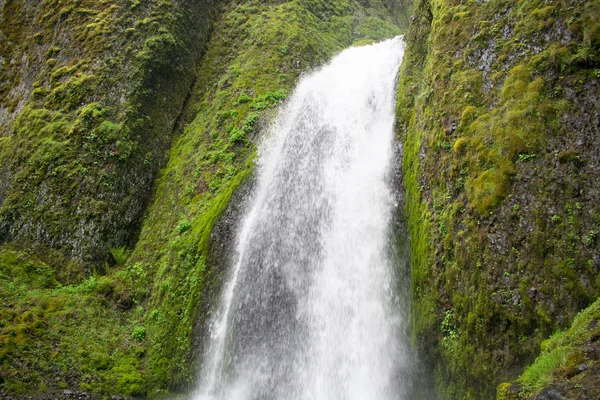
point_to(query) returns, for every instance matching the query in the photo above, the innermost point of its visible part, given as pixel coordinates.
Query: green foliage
(560, 357)
(184, 226)
(526, 157)
(139, 333)
(119, 254)
(590, 239)
(477, 109)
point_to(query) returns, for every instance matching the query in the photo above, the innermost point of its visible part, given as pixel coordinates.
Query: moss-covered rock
(89, 95)
(568, 366)
(102, 298)
(496, 107)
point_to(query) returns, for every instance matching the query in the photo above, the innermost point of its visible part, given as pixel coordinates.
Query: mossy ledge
(496, 108)
(568, 365)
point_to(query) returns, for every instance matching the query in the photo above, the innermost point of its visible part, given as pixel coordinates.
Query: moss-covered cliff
(90, 91)
(498, 108)
(127, 127)
(105, 271)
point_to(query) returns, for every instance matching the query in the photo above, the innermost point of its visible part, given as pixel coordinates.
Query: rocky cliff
(128, 133)
(90, 92)
(499, 112)
(125, 129)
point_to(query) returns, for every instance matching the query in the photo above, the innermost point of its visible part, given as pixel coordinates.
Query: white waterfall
(311, 310)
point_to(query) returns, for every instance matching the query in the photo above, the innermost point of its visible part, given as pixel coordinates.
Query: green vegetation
(233, 98)
(119, 255)
(112, 303)
(61, 336)
(567, 361)
(485, 92)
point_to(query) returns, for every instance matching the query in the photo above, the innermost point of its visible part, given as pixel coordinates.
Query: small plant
(591, 238)
(248, 124)
(259, 105)
(90, 284)
(443, 228)
(244, 98)
(119, 254)
(526, 157)
(184, 226)
(237, 136)
(447, 324)
(555, 219)
(516, 208)
(189, 190)
(139, 333)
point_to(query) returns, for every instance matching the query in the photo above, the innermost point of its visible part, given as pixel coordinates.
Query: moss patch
(568, 362)
(56, 337)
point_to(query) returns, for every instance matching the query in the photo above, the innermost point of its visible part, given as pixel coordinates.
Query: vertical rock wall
(498, 106)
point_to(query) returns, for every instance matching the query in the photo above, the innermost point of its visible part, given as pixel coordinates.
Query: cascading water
(310, 310)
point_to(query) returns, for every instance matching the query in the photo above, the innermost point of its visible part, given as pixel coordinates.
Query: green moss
(59, 333)
(488, 189)
(560, 357)
(482, 97)
(119, 254)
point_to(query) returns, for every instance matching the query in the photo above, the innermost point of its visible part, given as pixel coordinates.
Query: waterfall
(311, 309)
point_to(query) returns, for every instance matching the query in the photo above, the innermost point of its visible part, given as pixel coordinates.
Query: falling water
(311, 309)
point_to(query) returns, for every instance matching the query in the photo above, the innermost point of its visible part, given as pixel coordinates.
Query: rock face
(125, 129)
(89, 95)
(498, 106)
(127, 126)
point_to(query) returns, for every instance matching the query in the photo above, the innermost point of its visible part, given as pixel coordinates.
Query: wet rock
(550, 394)
(592, 351)
(533, 292)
